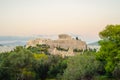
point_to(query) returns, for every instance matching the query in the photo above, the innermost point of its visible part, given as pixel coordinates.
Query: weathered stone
(65, 41)
(64, 36)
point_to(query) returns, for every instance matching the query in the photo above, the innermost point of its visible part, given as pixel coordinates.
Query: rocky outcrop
(64, 41)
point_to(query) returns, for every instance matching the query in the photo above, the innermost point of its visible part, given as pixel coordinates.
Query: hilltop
(65, 45)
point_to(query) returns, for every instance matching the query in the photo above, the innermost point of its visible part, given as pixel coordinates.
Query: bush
(103, 77)
(116, 72)
(81, 67)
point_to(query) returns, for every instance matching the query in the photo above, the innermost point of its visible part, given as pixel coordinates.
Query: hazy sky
(35, 17)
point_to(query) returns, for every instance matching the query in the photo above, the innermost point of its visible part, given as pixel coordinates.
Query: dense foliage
(25, 64)
(82, 67)
(109, 53)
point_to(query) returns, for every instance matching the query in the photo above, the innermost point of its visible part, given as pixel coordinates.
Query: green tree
(17, 65)
(4, 69)
(109, 53)
(81, 67)
(57, 66)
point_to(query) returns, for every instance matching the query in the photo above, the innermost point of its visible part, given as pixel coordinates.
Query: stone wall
(64, 36)
(65, 41)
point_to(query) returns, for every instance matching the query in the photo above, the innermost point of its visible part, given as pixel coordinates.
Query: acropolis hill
(64, 41)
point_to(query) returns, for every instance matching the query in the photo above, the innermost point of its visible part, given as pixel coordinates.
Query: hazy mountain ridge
(14, 40)
(11, 38)
(15, 43)
(94, 43)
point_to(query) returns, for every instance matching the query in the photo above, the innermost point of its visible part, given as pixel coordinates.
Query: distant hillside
(14, 40)
(94, 43)
(11, 38)
(1, 45)
(14, 43)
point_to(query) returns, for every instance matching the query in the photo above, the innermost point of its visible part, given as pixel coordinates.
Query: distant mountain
(94, 43)
(15, 43)
(1, 45)
(11, 38)
(14, 40)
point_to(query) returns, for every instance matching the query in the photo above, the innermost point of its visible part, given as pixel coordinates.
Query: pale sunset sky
(35, 17)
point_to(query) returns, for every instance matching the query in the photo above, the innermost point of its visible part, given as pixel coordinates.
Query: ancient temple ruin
(64, 41)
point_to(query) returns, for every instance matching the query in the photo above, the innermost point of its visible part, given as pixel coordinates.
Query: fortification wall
(65, 41)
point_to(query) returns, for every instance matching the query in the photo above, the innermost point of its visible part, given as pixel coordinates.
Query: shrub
(81, 67)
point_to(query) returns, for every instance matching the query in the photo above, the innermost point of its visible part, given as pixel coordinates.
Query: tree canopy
(109, 52)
